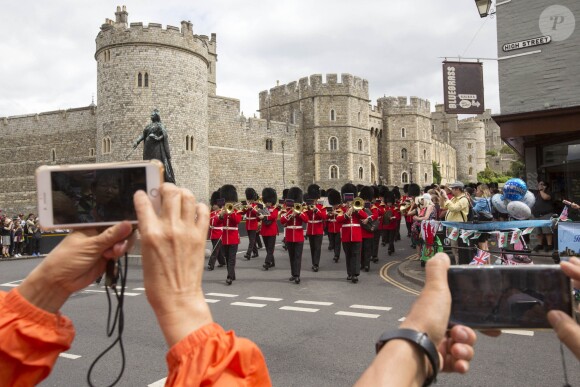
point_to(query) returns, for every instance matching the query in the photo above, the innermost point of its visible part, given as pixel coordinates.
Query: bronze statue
(156, 144)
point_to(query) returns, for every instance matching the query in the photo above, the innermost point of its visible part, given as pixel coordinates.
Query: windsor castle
(317, 129)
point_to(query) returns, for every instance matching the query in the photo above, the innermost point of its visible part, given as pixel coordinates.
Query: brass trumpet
(298, 208)
(405, 207)
(358, 204)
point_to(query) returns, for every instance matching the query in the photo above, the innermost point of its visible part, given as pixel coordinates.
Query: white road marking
(314, 302)
(402, 319)
(353, 314)
(387, 308)
(221, 295)
(297, 309)
(249, 304)
(104, 291)
(139, 289)
(69, 356)
(211, 301)
(159, 383)
(264, 299)
(518, 332)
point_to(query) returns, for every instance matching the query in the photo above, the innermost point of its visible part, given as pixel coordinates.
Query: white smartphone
(91, 195)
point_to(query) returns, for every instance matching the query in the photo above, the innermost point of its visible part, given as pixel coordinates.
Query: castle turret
(140, 68)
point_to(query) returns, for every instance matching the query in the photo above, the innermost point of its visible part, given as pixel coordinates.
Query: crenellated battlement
(120, 33)
(314, 86)
(404, 105)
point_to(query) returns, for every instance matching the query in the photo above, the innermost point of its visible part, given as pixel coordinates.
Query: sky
(397, 45)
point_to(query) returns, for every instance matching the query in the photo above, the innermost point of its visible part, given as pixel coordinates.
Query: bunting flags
(515, 236)
(502, 239)
(453, 234)
(564, 215)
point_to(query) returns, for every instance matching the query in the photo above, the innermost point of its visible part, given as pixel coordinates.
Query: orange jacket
(31, 340)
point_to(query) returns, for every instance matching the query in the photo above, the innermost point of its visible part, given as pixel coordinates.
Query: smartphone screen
(95, 195)
(348, 197)
(494, 297)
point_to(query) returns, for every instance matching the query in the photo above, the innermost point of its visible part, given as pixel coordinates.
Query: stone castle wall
(238, 154)
(29, 141)
(470, 141)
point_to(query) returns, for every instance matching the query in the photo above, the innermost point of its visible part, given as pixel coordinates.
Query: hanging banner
(463, 87)
(569, 239)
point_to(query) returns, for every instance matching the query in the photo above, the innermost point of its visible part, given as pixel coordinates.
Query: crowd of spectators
(20, 236)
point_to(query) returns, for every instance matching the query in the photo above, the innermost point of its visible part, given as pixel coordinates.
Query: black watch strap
(418, 338)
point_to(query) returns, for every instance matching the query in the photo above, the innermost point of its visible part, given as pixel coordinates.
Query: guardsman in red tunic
(293, 220)
(390, 221)
(379, 205)
(351, 233)
(315, 228)
(231, 218)
(215, 232)
(269, 230)
(368, 226)
(332, 225)
(251, 222)
(397, 195)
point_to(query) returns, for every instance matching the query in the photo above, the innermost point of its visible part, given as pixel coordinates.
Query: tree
(436, 173)
(488, 175)
(506, 150)
(517, 169)
(491, 152)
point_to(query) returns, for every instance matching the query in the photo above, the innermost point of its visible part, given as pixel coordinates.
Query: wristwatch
(421, 340)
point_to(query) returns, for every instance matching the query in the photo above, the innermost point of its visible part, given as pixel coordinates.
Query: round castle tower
(469, 140)
(142, 68)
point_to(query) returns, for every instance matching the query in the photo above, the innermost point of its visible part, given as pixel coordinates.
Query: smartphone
(506, 297)
(91, 195)
(348, 197)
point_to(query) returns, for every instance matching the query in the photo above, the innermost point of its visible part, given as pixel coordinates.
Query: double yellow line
(384, 273)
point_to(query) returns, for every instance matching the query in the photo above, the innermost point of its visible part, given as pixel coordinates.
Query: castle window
(469, 145)
(425, 178)
(360, 173)
(332, 115)
(404, 178)
(91, 151)
(139, 80)
(146, 79)
(359, 117)
(404, 154)
(360, 144)
(269, 144)
(53, 154)
(403, 133)
(470, 159)
(333, 143)
(106, 146)
(424, 154)
(470, 171)
(293, 117)
(372, 131)
(333, 172)
(189, 143)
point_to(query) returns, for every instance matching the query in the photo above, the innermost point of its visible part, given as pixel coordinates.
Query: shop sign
(463, 87)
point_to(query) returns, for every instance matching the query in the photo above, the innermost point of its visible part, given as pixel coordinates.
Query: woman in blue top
(482, 203)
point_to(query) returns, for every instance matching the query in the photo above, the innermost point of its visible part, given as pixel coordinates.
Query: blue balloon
(514, 189)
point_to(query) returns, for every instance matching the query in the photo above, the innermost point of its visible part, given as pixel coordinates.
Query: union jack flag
(480, 258)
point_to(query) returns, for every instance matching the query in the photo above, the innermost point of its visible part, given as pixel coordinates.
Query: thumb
(114, 234)
(567, 330)
(436, 273)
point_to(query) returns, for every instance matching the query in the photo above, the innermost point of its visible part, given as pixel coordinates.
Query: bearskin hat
(396, 192)
(348, 188)
(323, 193)
(414, 189)
(229, 194)
(285, 193)
(389, 197)
(376, 191)
(269, 195)
(406, 188)
(295, 194)
(251, 194)
(214, 198)
(333, 197)
(358, 188)
(367, 193)
(383, 191)
(313, 191)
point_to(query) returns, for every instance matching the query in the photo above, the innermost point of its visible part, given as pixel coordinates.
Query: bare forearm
(184, 317)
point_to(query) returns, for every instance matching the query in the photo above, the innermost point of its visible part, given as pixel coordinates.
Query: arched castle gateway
(320, 129)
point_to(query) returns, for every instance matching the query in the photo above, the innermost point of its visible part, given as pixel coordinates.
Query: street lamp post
(483, 7)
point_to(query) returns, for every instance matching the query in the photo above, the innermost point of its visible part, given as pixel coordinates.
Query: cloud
(394, 45)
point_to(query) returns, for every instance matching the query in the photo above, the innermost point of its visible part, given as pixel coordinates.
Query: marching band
(356, 219)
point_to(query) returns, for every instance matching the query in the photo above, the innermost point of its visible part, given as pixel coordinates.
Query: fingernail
(462, 334)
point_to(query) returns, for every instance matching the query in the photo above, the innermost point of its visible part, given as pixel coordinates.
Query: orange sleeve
(30, 340)
(211, 356)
